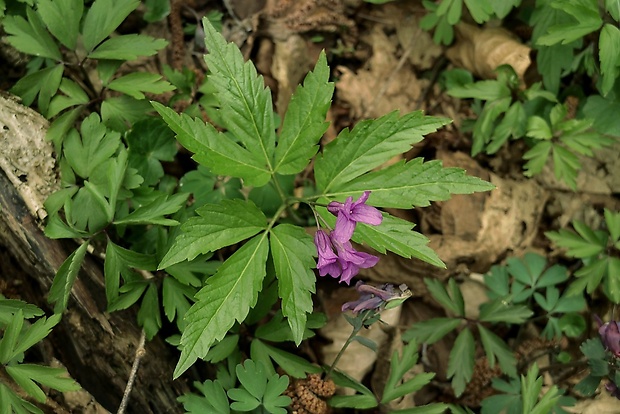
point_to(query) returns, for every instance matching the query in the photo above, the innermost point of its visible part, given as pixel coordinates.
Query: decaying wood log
(97, 348)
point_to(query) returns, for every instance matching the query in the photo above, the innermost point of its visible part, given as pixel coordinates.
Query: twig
(140, 352)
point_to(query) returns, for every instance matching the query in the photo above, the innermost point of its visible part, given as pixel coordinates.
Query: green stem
(365, 316)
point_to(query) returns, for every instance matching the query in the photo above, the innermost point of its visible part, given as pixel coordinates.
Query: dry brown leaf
(481, 51)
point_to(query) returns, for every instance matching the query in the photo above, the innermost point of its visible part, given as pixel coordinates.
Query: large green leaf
(65, 277)
(246, 108)
(214, 149)
(293, 256)
(461, 361)
(495, 348)
(370, 144)
(129, 47)
(416, 183)
(304, 122)
(587, 17)
(135, 84)
(30, 36)
(62, 18)
(103, 17)
(609, 53)
(216, 226)
(227, 297)
(43, 83)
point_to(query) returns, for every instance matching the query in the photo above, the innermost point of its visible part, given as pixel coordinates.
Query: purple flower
(340, 259)
(349, 213)
(610, 335)
(612, 388)
(376, 297)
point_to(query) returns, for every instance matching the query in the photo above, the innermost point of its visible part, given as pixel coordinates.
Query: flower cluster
(377, 298)
(337, 257)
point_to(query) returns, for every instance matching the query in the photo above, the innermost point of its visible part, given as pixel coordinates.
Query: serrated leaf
(566, 165)
(538, 128)
(396, 235)
(461, 361)
(120, 111)
(176, 300)
(501, 310)
(62, 18)
(585, 12)
(495, 348)
(10, 336)
(214, 149)
(399, 366)
(30, 36)
(214, 399)
(416, 183)
(216, 226)
(65, 277)
(25, 374)
(489, 90)
(293, 256)
(15, 404)
(135, 84)
(72, 95)
(150, 141)
(370, 144)
(537, 156)
(273, 400)
(35, 333)
(609, 49)
(227, 297)
(130, 47)
(102, 18)
(245, 103)
(575, 245)
(154, 212)
(432, 330)
(304, 121)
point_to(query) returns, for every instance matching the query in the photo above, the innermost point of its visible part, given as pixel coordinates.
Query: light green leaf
(72, 95)
(10, 337)
(129, 47)
(432, 330)
(480, 10)
(35, 333)
(566, 166)
(537, 156)
(461, 361)
(216, 226)
(538, 128)
(43, 83)
(151, 141)
(96, 145)
(370, 144)
(304, 122)
(103, 17)
(214, 149)
(31, 36)
(135, 84)
(489, 90)
(585, 12)
(452, 301)
(494, 347)
(227, 297)
(399, 366)
(14, 404)
(293, 254)
(26, 374)
(245, 104)
(154, 212)
(62, 18)
(396, 235)
(416, 183)
(609, 53)
(119, 112)
(65, 277)
(292, 364)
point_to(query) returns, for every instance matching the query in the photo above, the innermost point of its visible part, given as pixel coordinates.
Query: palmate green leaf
(501, 310)
(102, 18)
(62, 18)
(214, 399)
(154, 212)
(304, 122)
(480, 10)
(214, 149)
(585, 12)
(150, 141)
(246, 108)
(95, 146)
(130, 47)
(399, 366)
(432, 330)
(566, 166)
(452, 300)
(10, 336)
(227, 297)
(495, 348)
(531, 385)
(30, 36)
(14, 404)
(489, 90)
(149, 315)
(176, 300)
(117, 260)
(135, 84)
(370, 144)
(416, 183)
(120, 111)
(366, 398)
(216, 226)
(293, 254)
(396, 235)
(65, 276)
(43, 83)
(34, 334)
(609, 50)
(537, 157)
(461, 361)
(585, 243)
(8, 307)
(26, 374)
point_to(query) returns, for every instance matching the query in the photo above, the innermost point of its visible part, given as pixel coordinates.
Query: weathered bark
(97, 348)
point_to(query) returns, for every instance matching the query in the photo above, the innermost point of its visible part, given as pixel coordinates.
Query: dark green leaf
(65, 277)
(292, 364)
(62, 18)
(432, 330)
(500, 310)
(494, 348)
(29, 36)
(137, 83)
(103, 17)
(154, 212)
(461, 361)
